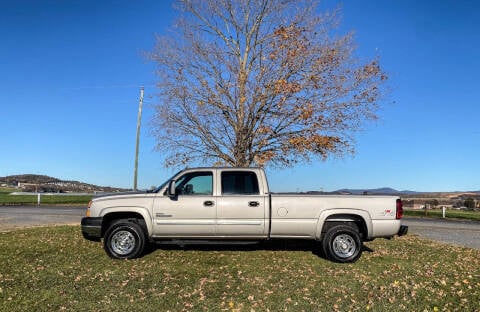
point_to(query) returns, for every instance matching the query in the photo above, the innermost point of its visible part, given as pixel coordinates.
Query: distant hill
(391, 191)
(29, 178)
(43, 183)
(378, 191)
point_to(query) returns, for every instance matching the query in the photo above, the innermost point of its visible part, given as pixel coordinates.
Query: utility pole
(139, 121)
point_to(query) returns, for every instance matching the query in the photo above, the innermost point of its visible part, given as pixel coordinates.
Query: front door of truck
(192, 212)
(240, 206)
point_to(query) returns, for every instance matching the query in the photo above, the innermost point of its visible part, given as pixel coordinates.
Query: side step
(182, 242)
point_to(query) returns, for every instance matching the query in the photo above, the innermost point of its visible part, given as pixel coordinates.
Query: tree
(434, 202)
(469, 203)
(265, 82)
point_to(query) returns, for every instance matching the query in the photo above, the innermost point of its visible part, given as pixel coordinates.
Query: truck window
(195, 183)
(239, 183)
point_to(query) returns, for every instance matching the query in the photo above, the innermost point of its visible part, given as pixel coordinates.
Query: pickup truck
(235, 205)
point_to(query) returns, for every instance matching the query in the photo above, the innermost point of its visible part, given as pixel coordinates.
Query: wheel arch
(109, 215)
(333, 217)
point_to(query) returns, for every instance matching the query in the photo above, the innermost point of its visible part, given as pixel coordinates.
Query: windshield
(165, 183)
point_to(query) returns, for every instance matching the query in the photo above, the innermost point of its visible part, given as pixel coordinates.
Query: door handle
(253, 204)
(208, 203)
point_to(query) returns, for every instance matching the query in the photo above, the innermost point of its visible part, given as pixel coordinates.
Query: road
(462, 233)
(12, 217)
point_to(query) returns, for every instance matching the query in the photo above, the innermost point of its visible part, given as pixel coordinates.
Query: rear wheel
(124, 239)
(342, 243)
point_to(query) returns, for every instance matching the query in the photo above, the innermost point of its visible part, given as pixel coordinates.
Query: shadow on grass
(271, 245)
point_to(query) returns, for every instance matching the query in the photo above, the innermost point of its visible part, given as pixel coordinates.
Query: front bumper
(92, 228)
(403, 230)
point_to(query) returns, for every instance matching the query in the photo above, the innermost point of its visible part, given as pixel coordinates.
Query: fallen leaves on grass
(56, 269)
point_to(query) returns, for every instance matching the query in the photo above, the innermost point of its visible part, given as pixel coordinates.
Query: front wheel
(342, 243)
(124, 239)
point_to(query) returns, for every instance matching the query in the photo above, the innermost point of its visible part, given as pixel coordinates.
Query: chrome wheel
(123, 242)
(125, 239)
(344, 246)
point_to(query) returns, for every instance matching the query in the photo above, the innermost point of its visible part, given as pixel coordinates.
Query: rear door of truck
(242, 208)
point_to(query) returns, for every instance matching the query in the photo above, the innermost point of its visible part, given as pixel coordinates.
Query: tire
(342, 243)
(124, 239)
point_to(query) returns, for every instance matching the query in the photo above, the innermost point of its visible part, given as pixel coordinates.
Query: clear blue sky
(70, 73)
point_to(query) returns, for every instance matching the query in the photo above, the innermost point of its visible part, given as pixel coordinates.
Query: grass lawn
(450, 214)
(55, 269)
(7, 199)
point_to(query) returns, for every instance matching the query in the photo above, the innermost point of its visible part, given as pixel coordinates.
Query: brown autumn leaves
(260, 83)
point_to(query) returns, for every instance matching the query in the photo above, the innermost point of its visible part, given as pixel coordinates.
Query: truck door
(190, 214)
(240, 206)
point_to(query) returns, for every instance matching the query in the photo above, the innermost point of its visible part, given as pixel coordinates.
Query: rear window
(239, 183)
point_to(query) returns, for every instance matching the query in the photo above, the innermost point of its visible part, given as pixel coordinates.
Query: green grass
(450, 214)
(55, 269)
(7, 199)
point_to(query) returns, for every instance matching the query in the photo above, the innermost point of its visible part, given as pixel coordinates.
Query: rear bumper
(92, 228)
(403, 230)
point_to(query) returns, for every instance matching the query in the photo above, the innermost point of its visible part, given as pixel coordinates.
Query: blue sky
(70, 73)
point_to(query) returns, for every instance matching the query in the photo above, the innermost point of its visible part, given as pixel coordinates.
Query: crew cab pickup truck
(235, 204)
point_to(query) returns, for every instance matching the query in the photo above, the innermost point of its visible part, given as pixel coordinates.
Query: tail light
(399, 209)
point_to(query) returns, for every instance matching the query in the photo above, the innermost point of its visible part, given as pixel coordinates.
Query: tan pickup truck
(234, 205)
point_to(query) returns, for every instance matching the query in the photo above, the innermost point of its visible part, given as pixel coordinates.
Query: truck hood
(119, 194)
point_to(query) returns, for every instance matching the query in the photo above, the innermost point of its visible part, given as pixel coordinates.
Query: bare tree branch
(260, 82)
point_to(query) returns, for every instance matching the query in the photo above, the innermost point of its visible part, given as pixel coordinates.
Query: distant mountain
(391, 191)
(377, 191)
(43, 183)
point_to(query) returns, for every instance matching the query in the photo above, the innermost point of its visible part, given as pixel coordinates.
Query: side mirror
(171, 189)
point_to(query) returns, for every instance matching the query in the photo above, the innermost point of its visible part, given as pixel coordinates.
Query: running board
(182, 242)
